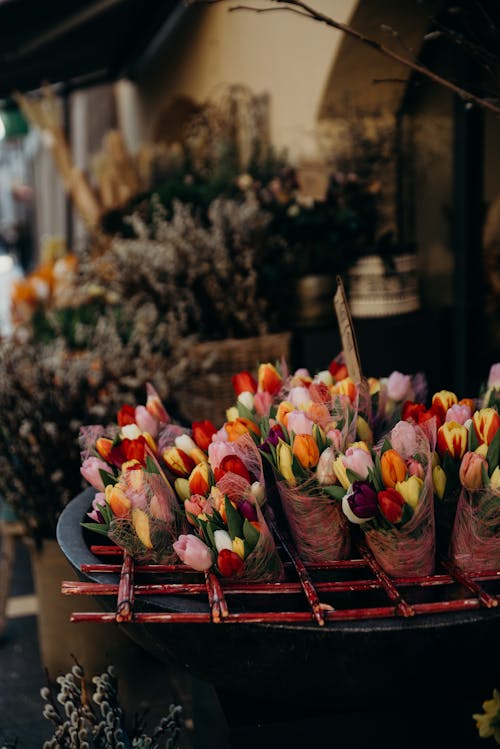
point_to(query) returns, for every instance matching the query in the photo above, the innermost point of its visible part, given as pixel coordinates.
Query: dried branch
(303, 9)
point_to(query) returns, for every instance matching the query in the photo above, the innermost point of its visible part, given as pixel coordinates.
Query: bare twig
(303, 9)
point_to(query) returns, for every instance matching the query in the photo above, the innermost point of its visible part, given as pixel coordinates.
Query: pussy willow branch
(303, 9)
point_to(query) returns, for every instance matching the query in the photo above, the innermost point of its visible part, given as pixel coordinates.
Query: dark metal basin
(429, 662)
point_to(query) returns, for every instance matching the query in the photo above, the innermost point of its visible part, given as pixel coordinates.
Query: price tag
(347, 334)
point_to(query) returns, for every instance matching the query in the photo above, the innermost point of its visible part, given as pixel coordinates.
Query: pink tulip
(325, 473)
(90, 471)
(494, 376)
(399, 387)
(299, 396)
(192, 551)
(404, 439)
(415, 468)
(335, 437)
(146, 421)
(458, 413)
(196, 505)
(471, 471)
(358, 460)
(299, 423)
(98, 502)
(262, 403)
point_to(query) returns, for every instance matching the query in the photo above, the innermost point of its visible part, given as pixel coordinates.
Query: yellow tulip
(410, 490)
(439, 481)
(341, 472)
(239, 547)
(495, 478)
(284, 458)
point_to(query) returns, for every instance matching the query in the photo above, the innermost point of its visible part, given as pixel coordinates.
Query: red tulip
(232, 464)
(269, 379)
(452, 438)
(244, 382)
(441, 402)
(203, 432)
(486, 424)
(134, 449)
(178, 462)
(126, 415)
(201, 479)
(391, 504)
(229, 563)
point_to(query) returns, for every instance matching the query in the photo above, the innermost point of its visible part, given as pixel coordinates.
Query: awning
(78, 43)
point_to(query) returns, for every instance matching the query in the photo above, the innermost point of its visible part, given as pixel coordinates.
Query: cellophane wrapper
(475, 541)
(263, 564)
(409, 551)
(165, 518)
(318, 526)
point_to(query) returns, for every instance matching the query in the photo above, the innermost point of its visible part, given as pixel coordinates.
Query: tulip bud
(192, 551)
(229, 563)
(155, 406)
(458, 413)
(299, 423)
(360, 502)
(104, 446)
(222, 540)
(364, 430)
(203, 431)
(240, 426)
(345, 387)
(439, 481)
(126, 415)
(244, 382)
(201, 479)
(399, 387)
(452, 438)
(325, 473)
(246, 399)
(341, 472)
(393, 468)
(391, 505)
(181, 486)
(247, 510)
(415, 468)
(231, 464)
(486, 423)
(258, 492)
(306, 451)
(357, 459)
(118, 501)
(324, 376)
(146, 421)
(335, 436)
(471, 471)
(284, 408)
(178, 462)
(495, 479)
(239, 547)
(90, 470)
(441, 402)
(185, 443)
(299, 397)
(232, 413)
(269, 379)
(410, 490)
(284, 460)
(262, 403)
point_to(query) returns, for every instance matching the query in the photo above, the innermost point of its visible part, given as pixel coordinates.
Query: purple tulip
(276, 434)
(247, 510)
(360, 504)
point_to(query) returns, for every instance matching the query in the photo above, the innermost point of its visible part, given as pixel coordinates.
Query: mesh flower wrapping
(475, 542)
(155, 520)
(409, 549)
(317, 524)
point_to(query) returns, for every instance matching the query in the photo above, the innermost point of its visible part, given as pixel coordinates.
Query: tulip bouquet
(301, 443)
(232, 537)
(135, 504)
(388, 492)
(475, 539)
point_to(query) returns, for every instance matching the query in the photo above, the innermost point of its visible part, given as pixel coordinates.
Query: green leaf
(203, 527)
(375, 478)
(245, 412)
(353, 476)
(101, 528)
(250, 534)
(151, 466)
(107, 478)
(386, 445)
(335, 491)
(473, 440)
(484, 473)
(234, 520)
(493, 454)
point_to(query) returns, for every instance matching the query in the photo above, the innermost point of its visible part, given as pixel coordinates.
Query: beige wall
(276, 53)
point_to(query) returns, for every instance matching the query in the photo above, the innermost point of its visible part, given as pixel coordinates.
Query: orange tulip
(486, 424)
(345, 387)
(269, 379)
(240, 426)
(103, 446)
(201, 479)
(393, 468)
(118, 501)
(306, 450)
(284, 409)
(452, 439)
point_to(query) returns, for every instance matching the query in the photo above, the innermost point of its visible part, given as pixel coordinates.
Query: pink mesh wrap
(163, 518)
(263, 564)
(245, 448)
(475, 541)
(317, 524)
(410, 550)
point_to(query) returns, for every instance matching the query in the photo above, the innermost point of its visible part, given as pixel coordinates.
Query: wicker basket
(208, 391)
